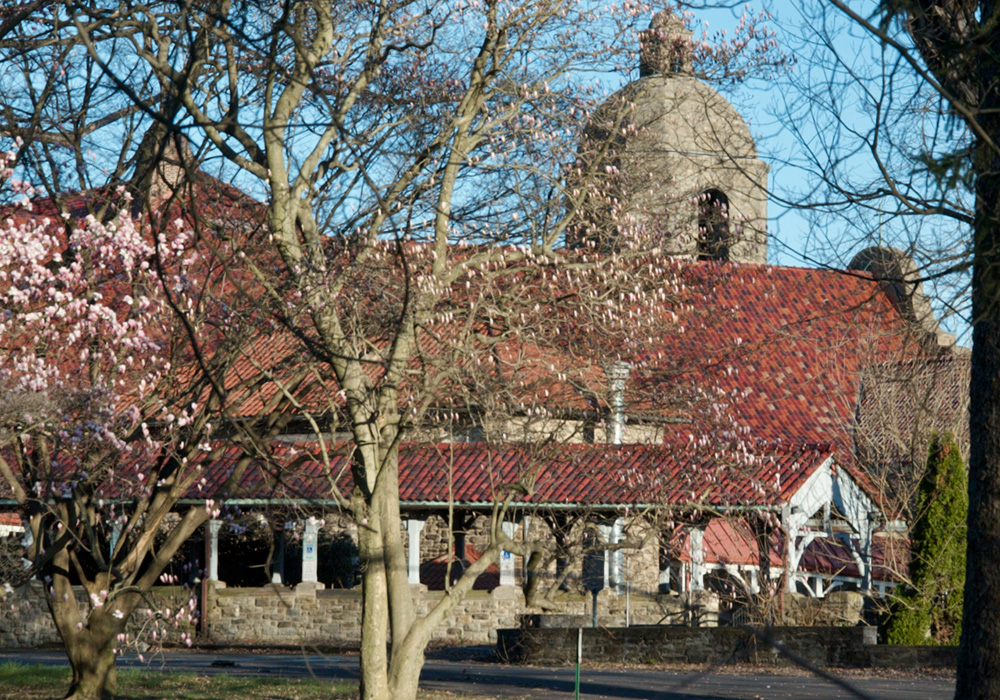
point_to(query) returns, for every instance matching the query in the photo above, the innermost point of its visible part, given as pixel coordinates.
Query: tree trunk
(90, 647)
(406, 682)
(377, 614)
(387, 607)
(374, 616)
(93, 662)
(89, 639)
(374, 600)
(979, 655)
(764, 609)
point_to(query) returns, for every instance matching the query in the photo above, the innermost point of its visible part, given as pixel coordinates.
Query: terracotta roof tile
(432, 573)
(585, 474)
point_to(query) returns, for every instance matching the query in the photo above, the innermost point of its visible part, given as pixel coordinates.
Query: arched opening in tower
(713, 225)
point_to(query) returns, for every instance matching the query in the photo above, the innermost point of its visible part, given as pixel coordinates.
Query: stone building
(800, 353)
(807, 361)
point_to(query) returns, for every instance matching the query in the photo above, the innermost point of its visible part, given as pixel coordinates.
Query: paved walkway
(507, 681)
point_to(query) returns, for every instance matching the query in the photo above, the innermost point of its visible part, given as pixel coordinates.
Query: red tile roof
(478, 474)
(731, 541)
(583, 474)
(727, 541)
(789, 345)
(433, 572)
(757, 352)
(780, 351)
(831, 555)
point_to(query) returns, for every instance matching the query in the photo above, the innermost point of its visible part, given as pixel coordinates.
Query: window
(713, 225)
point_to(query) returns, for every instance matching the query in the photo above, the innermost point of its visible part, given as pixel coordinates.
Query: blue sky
(860, 82)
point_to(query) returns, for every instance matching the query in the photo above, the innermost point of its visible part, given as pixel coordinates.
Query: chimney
(617, 374)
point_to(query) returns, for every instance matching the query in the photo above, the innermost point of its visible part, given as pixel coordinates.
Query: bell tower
(668, 161)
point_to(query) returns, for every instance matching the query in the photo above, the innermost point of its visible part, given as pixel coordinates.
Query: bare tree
(104, 428)
(413, 159)
(905, 140)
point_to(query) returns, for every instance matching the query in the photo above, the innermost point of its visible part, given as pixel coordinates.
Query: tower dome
(669, 158)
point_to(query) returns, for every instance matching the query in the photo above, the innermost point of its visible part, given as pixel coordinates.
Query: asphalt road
(500, 680)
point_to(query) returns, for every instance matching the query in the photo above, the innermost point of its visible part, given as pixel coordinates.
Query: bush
(930, 609)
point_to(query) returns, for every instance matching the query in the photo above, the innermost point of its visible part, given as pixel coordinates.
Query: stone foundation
(309, 614)
(837, 609)
(819, 646)
(25, 621)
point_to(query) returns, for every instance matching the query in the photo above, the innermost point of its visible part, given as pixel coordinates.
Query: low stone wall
(276, 615)
(613, 610)
(25, 621)
(839, 608)
(892, 656)
(309, 614)
(820, 646)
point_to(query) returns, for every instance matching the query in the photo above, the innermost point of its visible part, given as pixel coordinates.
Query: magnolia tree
(80, 359)
(101, 435)
(412, 158)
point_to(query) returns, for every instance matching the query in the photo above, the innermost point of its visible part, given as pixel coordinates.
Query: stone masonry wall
(820, 646)
(282, 616)
(434, 540)
(279, 615)
(25, 621)
(311, 615)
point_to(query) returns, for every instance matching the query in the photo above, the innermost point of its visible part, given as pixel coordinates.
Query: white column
(278, 572)
(310, 546)
(526, 537)
(116, 534)
(26, 541)
(618, 556)
(792, 522)
(507, 558)
(696, 538)
(617, 374)
(212, 548)
(413, 529)
(664, 579)
(606, 533)
(867, 544)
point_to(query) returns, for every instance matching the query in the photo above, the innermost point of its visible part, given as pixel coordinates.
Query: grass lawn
(48, 683)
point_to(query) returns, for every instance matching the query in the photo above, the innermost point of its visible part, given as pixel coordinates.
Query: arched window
(713, 225)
